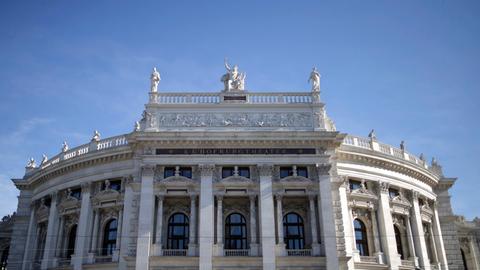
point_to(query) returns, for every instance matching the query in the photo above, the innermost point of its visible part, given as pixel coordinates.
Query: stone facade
(237, 180)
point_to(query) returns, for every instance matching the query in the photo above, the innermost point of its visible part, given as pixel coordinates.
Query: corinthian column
(418, 235)
(49, 251)
(387, 232)
(267, 218)
(145, 218)
(206, 216)
(159, 229)
(192, 245)
(253, 227)
(313, 225)
(219, 225)
(81, 242)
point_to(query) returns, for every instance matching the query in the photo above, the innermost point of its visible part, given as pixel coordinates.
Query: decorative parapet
(373, 145)
(250, 98)
(93, 146)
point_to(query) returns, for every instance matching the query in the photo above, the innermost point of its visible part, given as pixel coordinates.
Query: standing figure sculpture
(154, 80)
(315, 79)
(233, 80)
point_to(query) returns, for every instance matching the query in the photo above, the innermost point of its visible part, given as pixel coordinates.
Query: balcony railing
(368, 259)
(236, 252)
(367, 143)
(408, 263)
(174, 252)
(299, 252)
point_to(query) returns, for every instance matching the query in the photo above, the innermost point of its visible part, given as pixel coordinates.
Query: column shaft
(159, 229)
(376, 240)
(437, 233)
(93, 248)
(267, 218)
(81, 244)
(219, 220)
(58, 248)
(126, 237)
(253, 221)
(411, 245)
(387, 232)
(30, 243)
(145, 219)
(280, 220)
(49, 250)
(192, 245)
(119, 230)
(206, 232)
(418, 236)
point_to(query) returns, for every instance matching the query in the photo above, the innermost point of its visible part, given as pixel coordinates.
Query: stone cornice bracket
(265, 169)
(206, 169)
(148, 170)
(383, 187)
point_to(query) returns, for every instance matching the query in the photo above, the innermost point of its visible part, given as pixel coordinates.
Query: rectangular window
(302, 171)
(227, 171)
(169, 171)
(77, 192)
(286, 171)
(393, 193)
(355, 184)
(244, 171)
(186, 172)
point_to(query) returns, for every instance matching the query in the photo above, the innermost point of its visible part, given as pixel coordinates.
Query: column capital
(193, 197)
(311, 197)
(160, 197)
(252, 197)
(86, 187)
(383, 187)
(265, 169)
(323, 168)
(206, 169)
(148, 169)
(219, 197)
(279, 196)
(415, 195)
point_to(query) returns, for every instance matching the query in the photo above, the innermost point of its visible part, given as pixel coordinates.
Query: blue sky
(409, 69)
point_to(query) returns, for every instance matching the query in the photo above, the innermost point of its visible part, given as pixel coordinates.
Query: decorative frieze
(244, 119)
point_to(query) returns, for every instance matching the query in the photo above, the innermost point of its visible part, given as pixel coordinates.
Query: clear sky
(409, 69)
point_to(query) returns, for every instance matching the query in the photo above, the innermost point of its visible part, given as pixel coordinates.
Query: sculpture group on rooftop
(233, 80)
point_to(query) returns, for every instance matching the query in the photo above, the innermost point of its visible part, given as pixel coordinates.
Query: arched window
(293, 231)
(177, 231)
(361, 237)
(72, 235)
(235, 232)
(398, 239)
(109, 237)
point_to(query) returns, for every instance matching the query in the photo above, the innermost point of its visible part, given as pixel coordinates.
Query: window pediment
(236, 179)
(363, 194)
(295, 179)
(107, 195)
(177, 180)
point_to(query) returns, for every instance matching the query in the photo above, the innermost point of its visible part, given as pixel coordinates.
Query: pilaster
(192, 244)
(253, 227)
(30, 241)
(313, 226)
(437, 234)
(127, 213)
(335, 216)
(219, 225)
(159, 227)
(206, 233)
(267, 218)
(145, 219)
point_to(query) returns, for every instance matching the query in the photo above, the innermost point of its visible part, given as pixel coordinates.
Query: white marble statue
(31, 163)
(137, 126)
(372, 135)
(155, 80)
(315, 79)
(107, 184)
(233, 79)
(96, 136)
(44, 159)
(64, 146)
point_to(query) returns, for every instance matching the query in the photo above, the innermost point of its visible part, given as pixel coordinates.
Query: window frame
(362, 243)
(294, 241)
(173, 240)
(235, 241)
(109, 244)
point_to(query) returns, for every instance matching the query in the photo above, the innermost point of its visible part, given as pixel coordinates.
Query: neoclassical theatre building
(237, 180)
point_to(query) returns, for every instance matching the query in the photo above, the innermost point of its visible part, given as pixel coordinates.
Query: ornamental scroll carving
(274, 119)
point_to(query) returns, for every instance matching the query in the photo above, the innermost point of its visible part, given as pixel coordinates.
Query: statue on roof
(31, 163)
(44, 159)
(233, 79)
(155, 80)
(96, 136)
(64, 146)
(315, 79)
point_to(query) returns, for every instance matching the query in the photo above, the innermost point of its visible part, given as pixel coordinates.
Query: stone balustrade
(209, 98)
(299, 252)
(236, 252)
(84, 149)
(174, 252)
(373, 145)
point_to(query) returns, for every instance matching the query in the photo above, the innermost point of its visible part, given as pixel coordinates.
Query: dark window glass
(398, 239)
(244, 171)
(109, 237)
(235, 232)
(177, 231)
(361, 237)
(114, 184)
(355, 184)
(286, 171)
(169, 171)
(302, 171)
(72, 235)
(293, 231)
(227, 172)
(393, 193)
(77, 193)
(4, 258)
(186, 172)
